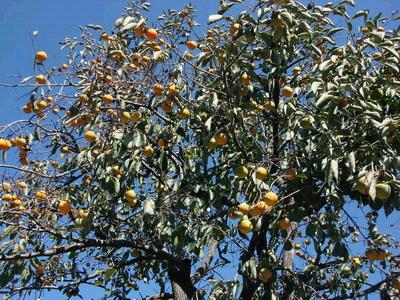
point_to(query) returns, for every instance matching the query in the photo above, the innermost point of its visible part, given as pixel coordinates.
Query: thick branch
(363, 293)
(90, 243)
(202, 270)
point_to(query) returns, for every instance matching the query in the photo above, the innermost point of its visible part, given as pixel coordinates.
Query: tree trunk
(182, 287)
(288, 263)
(249, 289)
(179, 293)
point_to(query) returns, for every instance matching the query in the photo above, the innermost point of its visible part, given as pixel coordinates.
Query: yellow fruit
(381, 254)
(270, 105)
(65, 150)
(82, 213)
(156, 48)
(265, 274)
(158, 89)
(306, 123)
(212, 144)
(296, 70)
(28, 108)
(108, 99)
(64, 207)
(20, 142)
(136, 117)
(5, 145)
(41, 195)
(83, 98)
(109, 79)
(191, 45)
(90, 136)
(284, 223)
(365, 30)
(135, 252)
(104, 36)
(148, 151)
(261, 173)
(244, 208)
(241, 172)
(245, 226)
(346, 270)
(130, 195)
(297, 246)
(383, 191)
(185, 113)
(270, 198)
(277, 22)
(146, 59)
(7, 197)
(287, 91)
(41, 56)
(166, 107)
(22, 185)
(356, 261)
(40, 79)
(41, 105)
(234, 29)
(290, 174)
(221, 139)
(39, 270)
(173, 90)
(396, 283)
(245, 79)
(49, 99)
(361, 186)
(262, 206)
(64, 66)
(151, 34)
(234, 213)
(6, 186)
(371, 254)
(341, 103)
(125, 117)
(116, 171)
(87, 181)
(260, 108)
(161, 143)
(250, 37)
(139, 31)
(255, 211)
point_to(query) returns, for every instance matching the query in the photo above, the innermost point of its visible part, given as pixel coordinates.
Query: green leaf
(149, 207)
(95, 27)
(116, 184)
(323, 100)
(340, 250)
(109, 273)
(311, 230)
(360, 13)
(276, 58)
(163, 161)
(214, 18)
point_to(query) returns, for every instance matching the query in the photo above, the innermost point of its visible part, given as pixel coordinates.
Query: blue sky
(58, 19)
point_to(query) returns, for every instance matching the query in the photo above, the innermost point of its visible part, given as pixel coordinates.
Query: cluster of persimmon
(19, 142)
(243, 210)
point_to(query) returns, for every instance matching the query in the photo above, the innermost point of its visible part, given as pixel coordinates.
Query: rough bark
(288, 264)
(182, 286)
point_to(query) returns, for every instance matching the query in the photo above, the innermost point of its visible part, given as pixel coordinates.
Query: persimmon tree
(252, 160)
